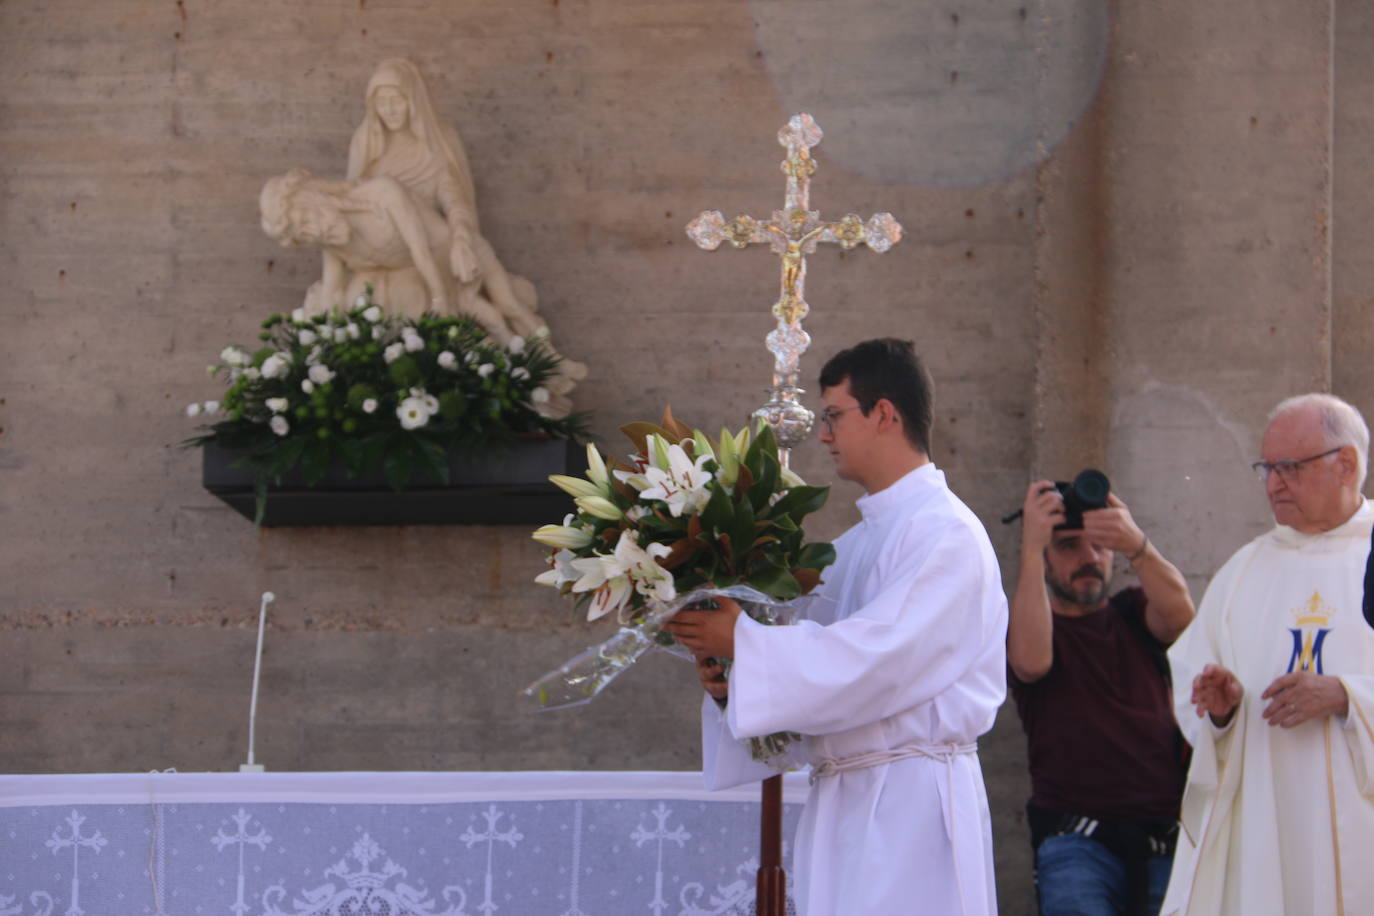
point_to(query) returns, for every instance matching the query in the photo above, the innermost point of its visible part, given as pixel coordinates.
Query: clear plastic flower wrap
(581, 678)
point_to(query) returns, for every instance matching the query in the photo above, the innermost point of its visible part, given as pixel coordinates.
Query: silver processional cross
(792, 233)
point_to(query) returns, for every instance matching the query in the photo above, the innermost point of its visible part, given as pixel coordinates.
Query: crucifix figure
(792, 233)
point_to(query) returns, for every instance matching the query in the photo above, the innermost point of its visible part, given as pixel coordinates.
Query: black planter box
(504, 484)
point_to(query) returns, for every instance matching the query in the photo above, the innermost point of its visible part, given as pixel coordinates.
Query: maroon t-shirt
(1100, 725)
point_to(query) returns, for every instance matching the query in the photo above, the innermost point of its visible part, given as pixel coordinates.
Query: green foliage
(386, 392)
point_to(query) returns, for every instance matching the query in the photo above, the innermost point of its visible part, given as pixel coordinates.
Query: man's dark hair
(886, 368)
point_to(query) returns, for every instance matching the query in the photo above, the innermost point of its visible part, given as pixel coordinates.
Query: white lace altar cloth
(379, 844)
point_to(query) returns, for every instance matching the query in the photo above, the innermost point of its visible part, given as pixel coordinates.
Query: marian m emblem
(1312, 617)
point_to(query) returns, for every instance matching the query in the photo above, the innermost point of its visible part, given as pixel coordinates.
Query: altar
(379, 844)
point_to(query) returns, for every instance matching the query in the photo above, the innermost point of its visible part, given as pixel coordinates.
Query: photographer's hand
(1041, 511)
(1168, 604)
(1030, 648)
(1114, 529)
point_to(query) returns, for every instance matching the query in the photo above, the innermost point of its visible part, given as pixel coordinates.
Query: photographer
(1091, 684)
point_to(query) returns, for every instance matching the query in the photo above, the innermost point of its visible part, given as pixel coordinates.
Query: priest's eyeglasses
(1287, 467)
(830, 415)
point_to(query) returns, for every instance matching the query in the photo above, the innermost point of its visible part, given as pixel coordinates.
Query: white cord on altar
(250, 766)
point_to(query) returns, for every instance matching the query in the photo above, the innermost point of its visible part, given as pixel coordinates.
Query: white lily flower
(596, 468)
(277, 405)
(520, 373)
(575, 486)
(279, 425)
(599, 506)
(373, 314)
(791, 479)
(539, 396)
(683, 484)
(370, 405)
(192, 410)
(307, 337)
(635, 513)
(560, 570)
(412, 413)
(447, 360)
(727, 460)
(516, 344)
(394, 351)
(321, 374)
(569, 536)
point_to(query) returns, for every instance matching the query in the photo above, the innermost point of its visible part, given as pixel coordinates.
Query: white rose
(307, 337)
(192, 410)
(471, 358)
(298, 316)
(447, 360)
(212, 406)
(392, 352)
(412, 413)
(352, 330)
(370, 405)
(373, 314)
(280, 426)
(307, 386)
(377, 332)
(412, 340)
(321, 374)
(313, 356)
(277, 405)
(520, 373)
(361, 301)
(485, 369)
(252, 374)
(340, 335)
(274, 366)
(233, 356)
(516, 344)
(540, 395)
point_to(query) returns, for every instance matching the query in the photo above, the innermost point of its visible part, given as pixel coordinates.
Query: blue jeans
(1078, 876)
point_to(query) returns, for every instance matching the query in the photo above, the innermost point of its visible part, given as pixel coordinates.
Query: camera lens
(1092, 487)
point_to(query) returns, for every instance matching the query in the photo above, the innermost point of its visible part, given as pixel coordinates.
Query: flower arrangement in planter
(366, 390)
(681, 521)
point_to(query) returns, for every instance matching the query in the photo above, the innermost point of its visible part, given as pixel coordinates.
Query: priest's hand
(712, 675)
(710, 632)
(1216, 692)
(1303, 695)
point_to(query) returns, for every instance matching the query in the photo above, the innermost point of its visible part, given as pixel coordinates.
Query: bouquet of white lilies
(684, 519)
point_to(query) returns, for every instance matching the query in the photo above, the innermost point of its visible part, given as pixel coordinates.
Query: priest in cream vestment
(898, 669)
(1278, 813)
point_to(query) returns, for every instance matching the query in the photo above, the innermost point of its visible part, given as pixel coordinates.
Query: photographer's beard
(1086, 587)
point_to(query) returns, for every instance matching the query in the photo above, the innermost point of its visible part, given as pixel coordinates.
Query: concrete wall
(1119, 252)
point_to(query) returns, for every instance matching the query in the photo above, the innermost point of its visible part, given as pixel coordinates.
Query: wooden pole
(771, 896)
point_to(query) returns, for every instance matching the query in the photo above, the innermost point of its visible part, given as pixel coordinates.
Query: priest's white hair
(1341, 422)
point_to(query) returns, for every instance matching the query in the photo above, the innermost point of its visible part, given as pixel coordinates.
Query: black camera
(1088, 491)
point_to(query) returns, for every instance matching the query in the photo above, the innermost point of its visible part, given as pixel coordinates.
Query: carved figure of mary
(401, 137)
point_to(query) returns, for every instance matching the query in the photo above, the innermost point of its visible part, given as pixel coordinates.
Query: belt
(944, 753)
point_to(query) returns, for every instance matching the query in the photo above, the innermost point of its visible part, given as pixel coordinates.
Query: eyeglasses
(830, 415)
(1287, 467)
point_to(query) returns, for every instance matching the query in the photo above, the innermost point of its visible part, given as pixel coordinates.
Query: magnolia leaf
(675, 426)
(776, 583)
(800, 501)
(680, 552)
(639, 433)
(817, 555)
(808, 579)
(745, 481)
